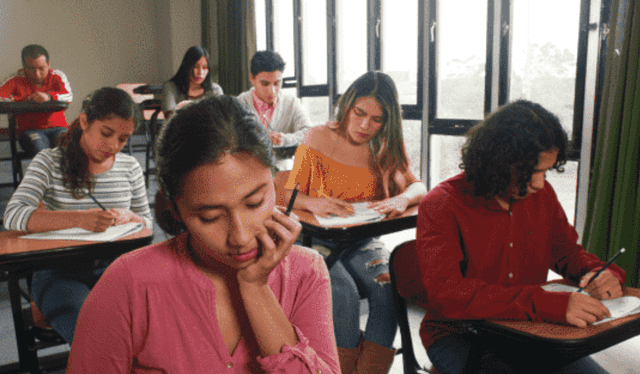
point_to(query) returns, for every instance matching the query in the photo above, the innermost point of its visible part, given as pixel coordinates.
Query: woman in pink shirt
(228, 293)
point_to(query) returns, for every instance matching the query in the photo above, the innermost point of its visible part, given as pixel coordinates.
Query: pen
(293, 199)
(621, 251)
(97, 202)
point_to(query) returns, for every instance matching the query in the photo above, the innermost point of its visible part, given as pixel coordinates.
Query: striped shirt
(122, 186)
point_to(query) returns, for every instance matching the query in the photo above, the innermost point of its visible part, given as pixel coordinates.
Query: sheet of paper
(76, 233)
(620, 307)
(362, 214)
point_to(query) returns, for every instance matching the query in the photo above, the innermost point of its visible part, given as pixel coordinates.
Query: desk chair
(16, 155)
(406, 284)
(33, 334)
(152, 113)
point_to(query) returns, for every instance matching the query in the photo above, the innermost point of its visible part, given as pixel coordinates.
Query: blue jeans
(34, 141)
(355, 276)
(60, 293)
(451, 354)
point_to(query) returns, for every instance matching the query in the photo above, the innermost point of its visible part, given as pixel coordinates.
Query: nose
(239, 230)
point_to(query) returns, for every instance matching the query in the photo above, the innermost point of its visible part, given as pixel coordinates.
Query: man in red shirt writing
(487, 238)
(37, 82)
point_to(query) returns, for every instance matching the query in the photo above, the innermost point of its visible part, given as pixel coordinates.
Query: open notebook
(76, 233)
(362, 214)
(620, 307)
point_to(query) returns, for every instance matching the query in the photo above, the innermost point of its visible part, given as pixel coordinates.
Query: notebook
(76, 233)
(362, 214)
(619, 307)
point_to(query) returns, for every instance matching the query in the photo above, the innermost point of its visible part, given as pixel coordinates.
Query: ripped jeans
(362, 271)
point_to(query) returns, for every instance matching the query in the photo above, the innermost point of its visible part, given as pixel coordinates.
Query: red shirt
(17, 88)
(480, 261)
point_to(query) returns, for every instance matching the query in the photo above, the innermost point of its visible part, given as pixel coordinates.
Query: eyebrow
(365, 112)
(212, 207)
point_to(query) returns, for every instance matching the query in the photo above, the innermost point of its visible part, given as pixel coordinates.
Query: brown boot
(348, 358)
(374, 358)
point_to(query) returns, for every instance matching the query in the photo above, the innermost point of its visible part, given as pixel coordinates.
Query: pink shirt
(153, 311)
(264, 110)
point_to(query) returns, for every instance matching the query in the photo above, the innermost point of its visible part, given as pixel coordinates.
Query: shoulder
(154, 263)
(169, 86)
(57, 73)
(217, 89)
(244, 97)
(127, 161)
(303, 262)
(48, 157)
(319, 137)
(445, 193)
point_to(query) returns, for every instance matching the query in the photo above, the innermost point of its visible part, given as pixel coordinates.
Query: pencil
(621, 251)
(293, 199)
(97, 202)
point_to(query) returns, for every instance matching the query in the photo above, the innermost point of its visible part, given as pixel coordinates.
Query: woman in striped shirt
(68, 180)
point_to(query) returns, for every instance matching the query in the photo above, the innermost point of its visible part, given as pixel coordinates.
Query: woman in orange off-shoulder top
(359, 157)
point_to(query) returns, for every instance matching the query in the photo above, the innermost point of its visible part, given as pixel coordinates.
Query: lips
(363, 135)
(246, 256)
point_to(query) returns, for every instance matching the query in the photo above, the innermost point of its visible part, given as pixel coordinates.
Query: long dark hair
(203, 132)
(102, 104)
(387, 146)
(506, 146)
(181, 79)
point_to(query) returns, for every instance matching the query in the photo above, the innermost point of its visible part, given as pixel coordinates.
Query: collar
(260, 105)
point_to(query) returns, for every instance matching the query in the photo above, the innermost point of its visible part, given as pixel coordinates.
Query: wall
(100, 43)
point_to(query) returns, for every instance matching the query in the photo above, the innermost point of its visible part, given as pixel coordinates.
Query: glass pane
(566, 184)
(283, 34)
(317, 108)
(261, 25)
(544, 55)
(411, 130)
(461, 55)
(314, 42)
(399, 28)
(444, 157)
(351, 35)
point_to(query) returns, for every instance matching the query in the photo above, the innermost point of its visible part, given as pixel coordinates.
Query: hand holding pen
(608, 285)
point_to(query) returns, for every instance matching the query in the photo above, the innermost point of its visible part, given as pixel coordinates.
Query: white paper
(76, 233)
(362, 214)
(619, 307)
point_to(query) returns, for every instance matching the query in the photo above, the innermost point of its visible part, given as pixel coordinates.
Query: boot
(349, 356)
(374, 358)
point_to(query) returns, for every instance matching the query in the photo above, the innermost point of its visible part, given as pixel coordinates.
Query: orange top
(321, 176)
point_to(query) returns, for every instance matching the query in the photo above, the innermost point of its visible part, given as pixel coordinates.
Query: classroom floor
(620, 359)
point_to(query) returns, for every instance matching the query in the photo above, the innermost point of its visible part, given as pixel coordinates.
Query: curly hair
(505, 147)
(201, 133)
(102, 104)
(387, 145)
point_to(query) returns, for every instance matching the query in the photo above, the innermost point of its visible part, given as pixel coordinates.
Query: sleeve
(139, 202)
(103, 341)
(60, 89)
(26, 198)
(568, 258)
(299, 126)
(169, 96)
(302, 170)
(6, 89)
(311, 317)
(440, 254)
(217, 90)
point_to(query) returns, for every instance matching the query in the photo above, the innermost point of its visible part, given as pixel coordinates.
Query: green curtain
(613, 212)
(229, 33)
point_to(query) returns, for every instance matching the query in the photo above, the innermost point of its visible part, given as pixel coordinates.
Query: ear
(84, 123)
(252, 78)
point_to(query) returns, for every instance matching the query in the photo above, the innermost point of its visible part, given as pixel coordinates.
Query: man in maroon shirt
(37, 82)
(487, 237)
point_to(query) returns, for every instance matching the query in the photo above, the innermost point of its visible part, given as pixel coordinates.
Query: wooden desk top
(18, 253)
(563, 343)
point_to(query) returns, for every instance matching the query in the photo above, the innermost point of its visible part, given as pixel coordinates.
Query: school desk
(21, 257)
(17, 107)
(555, 343)
(352, 233)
